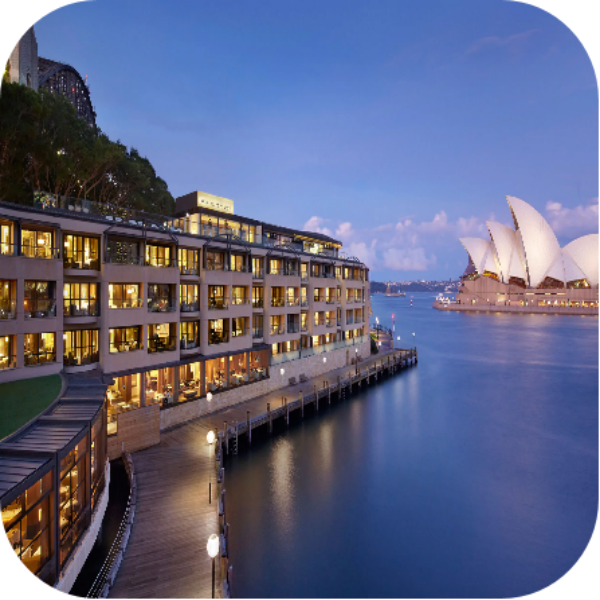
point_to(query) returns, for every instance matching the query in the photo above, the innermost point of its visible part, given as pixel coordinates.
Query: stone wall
(136, 430)
(312, 366)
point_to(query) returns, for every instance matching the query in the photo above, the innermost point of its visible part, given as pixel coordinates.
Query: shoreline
(539, 310)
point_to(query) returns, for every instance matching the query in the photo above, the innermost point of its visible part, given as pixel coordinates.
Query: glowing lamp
(212, 546)
(210, 437)
(209, 396)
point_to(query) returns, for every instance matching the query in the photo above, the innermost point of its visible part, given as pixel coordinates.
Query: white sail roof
(478, 249)
(506, 245)
(583, 252)
(540, 245)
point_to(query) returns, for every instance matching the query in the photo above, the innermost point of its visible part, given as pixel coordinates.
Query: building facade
(525, 267)
(172, 309)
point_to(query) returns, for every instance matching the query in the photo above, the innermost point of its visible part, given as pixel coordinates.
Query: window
(237, 263)
(188, 261)
(8, 301)
(292, 298)
(39, 348)
(189, 334)
(39, 299)
(80, 300)
(276, 266)
(8, 359)
(123, 251)
(160, 298)
(159, 256)
(303, 296)
(80, 252)
(218, 331)
(277, 325)
(6, 239)
(80, 347)
(259, 365)
(215, 261)
(304, 321)
(319, 296)
(73, 499)
(257, 268)
(190, 381)
(277, 296)
(319, 318)
(291, 268)
(216, 297)
(238, 371)
(238, 295)
(238, 327)
(159, 386)
(304, 271)
(162, 337)
(124, 339)
(38, 244)
(122, 395)
(124, 295)
(257, 297)
(27, 523)
(257, 326)
(189, 298)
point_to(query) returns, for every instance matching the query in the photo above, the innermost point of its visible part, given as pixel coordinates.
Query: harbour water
(473, 474)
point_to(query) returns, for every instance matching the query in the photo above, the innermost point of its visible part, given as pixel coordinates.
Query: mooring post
(248, 426)
(316, 396)
(226, 434)
(302, 403)
(269, 415)
(339, 388)
(287, 412)
(328, 393)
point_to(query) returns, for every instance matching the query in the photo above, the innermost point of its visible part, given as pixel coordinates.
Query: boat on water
(390, 294)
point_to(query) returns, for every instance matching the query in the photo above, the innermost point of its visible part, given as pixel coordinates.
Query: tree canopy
(45, 147)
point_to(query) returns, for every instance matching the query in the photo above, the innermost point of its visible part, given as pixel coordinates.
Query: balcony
(350, 321)
(7, 249)
(257, 332)
(304, 327)
(293, 327)
(189, 269)
(277, 329)
(8, 309)
(304, 303)
(258, 274)
(291, 272)
(162, 344)
(161, 305)
(292, 302)
(218, 303)
(8, 361)
(277, 302)
(40, 309)
(239, 269)
(257, 303)
(239, 332)
(330, 322)
(81, 308)
(318, 299)
(218, 337)
(329, 300)
(125, 303)
(349, 300)
(319, 322)
(186, 344)
(276, 271)
(193, 306)
(304, 277)
(161, 261)
(80, 259)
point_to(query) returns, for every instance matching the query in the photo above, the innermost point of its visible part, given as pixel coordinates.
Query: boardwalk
(166, 556)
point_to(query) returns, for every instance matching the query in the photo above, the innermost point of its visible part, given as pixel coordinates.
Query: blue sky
(396, 126)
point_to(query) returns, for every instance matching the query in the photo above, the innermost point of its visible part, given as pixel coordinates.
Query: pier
(181, 492)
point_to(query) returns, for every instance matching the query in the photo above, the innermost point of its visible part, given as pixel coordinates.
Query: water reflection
(282, 486)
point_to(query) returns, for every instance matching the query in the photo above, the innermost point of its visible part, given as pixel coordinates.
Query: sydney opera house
(526, 269)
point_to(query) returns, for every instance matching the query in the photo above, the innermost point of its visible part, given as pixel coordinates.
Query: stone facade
(24, 61)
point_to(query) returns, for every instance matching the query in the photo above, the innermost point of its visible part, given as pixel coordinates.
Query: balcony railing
(277, 329)
(41, 309)
(161, 261)
(216, 337)
(304, 277)
(46, 252)
(239, 269)
(124, 258)
(319, 322)
(276, 271)
(239, 301)
(277, 302)
(125, 346)
(349, 321)
(349, 300)
(8, 361)
(125, 303)
(81, 356)
(8, 309)
(293, 327)
(186, 344)
(319, 299)
(304, 302)
(189, 269)
(79, 259)
(218, 303)
(239, 332)
(216, 266)
(161, 344)
(257, 332)
(257, 303)
(81, 308)
(258, 274)
(330, 322)
(292, 302)
(7, 249)
(291, 272)
(329, 300)
(193, 306)
(161, 305)
(304, 327)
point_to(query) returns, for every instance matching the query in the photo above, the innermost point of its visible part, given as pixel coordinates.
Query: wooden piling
(269, 415)
(328, 393)
(302, 403)
(248, 427)
(316, 396)
(287, 412)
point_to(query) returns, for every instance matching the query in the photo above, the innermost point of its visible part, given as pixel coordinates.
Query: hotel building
(170, 309)
(525, 270)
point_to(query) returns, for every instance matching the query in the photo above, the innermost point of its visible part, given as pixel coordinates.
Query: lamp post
(212, 547)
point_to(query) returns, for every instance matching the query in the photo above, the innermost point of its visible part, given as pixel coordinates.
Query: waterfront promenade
(167, 556)
(518, 309)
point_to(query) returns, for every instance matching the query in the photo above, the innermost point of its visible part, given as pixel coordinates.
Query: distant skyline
(394, 126)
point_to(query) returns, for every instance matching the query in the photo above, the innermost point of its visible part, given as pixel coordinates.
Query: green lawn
(22, 400)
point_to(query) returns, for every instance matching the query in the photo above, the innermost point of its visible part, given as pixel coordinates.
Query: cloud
(365, 253)
(314, 224)
(344, 230)
(408, 259)
(511, 42)
(573, 221)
